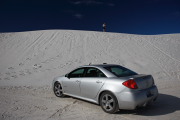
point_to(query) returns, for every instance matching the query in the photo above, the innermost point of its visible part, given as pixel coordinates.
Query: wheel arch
(104, 92)
(57, 81)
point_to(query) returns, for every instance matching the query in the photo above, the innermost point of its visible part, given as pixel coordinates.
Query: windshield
(120, 71)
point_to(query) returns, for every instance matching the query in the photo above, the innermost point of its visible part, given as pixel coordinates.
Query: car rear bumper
(132, 99)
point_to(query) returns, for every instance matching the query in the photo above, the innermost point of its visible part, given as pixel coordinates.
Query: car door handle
(98, 82)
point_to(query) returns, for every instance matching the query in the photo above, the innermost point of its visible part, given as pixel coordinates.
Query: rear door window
(94, 72)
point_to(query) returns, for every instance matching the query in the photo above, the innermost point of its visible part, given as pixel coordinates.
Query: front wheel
(109, 102)
(58, 90)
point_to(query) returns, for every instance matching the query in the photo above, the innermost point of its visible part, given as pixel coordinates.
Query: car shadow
(165, 104)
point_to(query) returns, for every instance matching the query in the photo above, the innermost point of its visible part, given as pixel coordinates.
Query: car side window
(77, 73)
(94, 72)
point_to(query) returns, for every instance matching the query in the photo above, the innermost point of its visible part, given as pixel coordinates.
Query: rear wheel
(109, 102)
(58, 90)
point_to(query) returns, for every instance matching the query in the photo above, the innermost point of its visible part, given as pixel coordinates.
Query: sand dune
(30, 60)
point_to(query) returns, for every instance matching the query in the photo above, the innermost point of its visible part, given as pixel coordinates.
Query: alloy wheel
(58, 90)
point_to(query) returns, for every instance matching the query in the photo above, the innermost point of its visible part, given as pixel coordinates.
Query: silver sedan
(113, 87)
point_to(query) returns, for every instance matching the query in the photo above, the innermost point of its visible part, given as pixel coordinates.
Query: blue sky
(122, 16)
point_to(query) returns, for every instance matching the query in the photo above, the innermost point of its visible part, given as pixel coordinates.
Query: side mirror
(67, 75)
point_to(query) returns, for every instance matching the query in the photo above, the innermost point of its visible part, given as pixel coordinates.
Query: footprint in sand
(11, 68)
(28, 58)
(21, 64)
(22, 73)
(14, 76)
(6, 78)
(36, 66)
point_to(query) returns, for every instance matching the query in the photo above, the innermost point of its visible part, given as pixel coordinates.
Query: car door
(92, 82)
(72, 84)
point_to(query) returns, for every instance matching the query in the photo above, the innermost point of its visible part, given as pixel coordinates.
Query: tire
(109, 102)
(58, 91)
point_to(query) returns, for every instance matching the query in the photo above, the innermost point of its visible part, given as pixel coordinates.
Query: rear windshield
(120, 71)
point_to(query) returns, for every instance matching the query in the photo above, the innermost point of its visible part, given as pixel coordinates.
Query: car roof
(99, 65)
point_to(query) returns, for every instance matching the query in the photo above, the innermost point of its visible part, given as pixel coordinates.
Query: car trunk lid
(144, 81)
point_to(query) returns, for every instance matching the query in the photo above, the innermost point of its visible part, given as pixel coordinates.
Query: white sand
(30, 60)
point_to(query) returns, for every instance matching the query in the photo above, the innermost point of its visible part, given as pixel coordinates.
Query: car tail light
(130, 84)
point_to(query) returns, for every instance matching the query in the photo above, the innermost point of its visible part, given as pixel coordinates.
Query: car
(113, 87)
